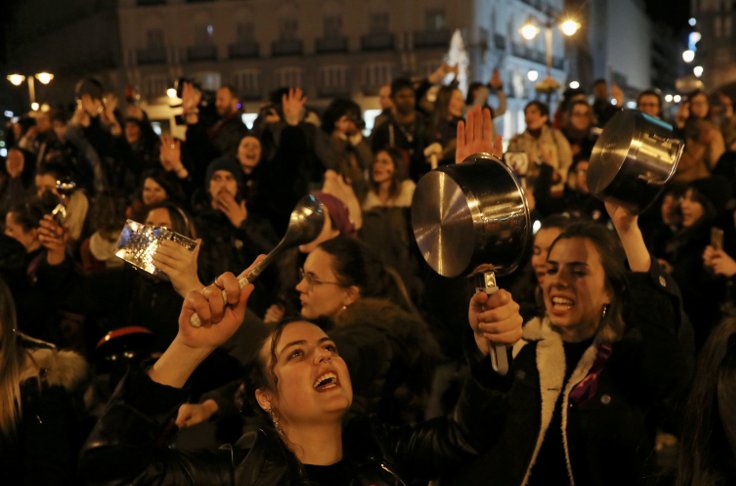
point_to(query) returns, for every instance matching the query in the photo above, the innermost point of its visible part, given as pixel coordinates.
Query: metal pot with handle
(635, 156)
(472, 215)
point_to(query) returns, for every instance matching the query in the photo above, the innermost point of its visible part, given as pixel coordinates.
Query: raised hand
(53, 237)
(274, 314)
(180, 265)
(719, 262)
(170, 154)
(220, 317)
(495, 319)
(475, 135)
(292, 104)
(627, 227)
(622, 219)
(190, 97)
(191, 414)
(495, 81)
(235, 211)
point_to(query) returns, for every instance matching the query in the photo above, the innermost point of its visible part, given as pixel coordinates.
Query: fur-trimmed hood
(62, 368)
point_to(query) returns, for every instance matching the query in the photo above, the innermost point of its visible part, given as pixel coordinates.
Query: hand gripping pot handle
(499, 354)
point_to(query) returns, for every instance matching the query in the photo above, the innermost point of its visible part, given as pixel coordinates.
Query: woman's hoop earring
(604, 311)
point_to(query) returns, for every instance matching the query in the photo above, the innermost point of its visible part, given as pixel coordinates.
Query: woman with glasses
(387, 345)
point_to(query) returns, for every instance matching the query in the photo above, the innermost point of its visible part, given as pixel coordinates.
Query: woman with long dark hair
(586, 379)
(389, 185)
(302, 387)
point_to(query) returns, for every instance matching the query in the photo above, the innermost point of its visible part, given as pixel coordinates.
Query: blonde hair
(12, 356)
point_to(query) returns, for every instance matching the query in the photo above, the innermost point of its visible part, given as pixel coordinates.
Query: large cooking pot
(470, 216)
(635, 156)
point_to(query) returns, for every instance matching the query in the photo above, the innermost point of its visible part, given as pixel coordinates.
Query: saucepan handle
(499, 355)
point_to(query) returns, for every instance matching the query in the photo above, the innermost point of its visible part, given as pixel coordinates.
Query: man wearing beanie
(232, 235)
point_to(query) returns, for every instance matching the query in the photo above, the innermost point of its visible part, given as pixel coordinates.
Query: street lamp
(568, 26)
(43, 77)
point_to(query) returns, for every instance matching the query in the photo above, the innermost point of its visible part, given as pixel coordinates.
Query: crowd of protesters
(617, 309)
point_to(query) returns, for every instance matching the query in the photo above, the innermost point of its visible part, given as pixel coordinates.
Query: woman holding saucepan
(578, 403)
(301, 388)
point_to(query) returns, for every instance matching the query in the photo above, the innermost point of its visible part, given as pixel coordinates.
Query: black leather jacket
(123, 446)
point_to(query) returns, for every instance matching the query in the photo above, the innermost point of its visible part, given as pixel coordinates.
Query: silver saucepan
(635, 156)
(469, 216)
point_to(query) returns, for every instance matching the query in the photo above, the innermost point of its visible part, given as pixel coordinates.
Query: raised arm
(627, 227)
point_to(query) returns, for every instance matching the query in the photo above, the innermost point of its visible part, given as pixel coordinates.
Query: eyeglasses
(312, 280)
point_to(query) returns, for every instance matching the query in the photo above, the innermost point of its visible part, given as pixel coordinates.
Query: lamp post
(42, 77)
(530, 30)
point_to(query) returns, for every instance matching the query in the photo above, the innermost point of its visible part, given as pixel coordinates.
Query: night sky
(672, 12)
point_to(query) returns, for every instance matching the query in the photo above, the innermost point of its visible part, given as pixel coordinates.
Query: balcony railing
(332, 44)
(291, 47)
(377, 42)
(201, 53)
(333, 91)
(432, 38)
(243, 50)
(151, 55)
(526, 52)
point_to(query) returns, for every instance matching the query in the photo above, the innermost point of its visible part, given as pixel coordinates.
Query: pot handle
(499, 354)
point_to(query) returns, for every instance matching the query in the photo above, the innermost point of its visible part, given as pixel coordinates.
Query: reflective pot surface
(469, 214)
(635, 156)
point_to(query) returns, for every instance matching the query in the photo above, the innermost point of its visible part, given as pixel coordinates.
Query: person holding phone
(702, 206)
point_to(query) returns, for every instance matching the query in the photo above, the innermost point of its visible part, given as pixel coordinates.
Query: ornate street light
(568, 26)
(43, 77)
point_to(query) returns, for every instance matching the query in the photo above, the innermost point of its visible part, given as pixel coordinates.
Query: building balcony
(432, 38)
(333, 91)
(526, 52)
(499, 41)
(291, 47)
(544, 7)
(201, 53)
(377, 42)
(151, 55)
(331, 44)
(243, 50)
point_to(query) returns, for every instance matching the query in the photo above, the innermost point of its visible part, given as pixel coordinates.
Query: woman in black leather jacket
(302, 385)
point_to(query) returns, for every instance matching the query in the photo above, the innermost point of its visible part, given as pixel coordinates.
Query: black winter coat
(608, 434)
(122, 448)
(51, 428)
